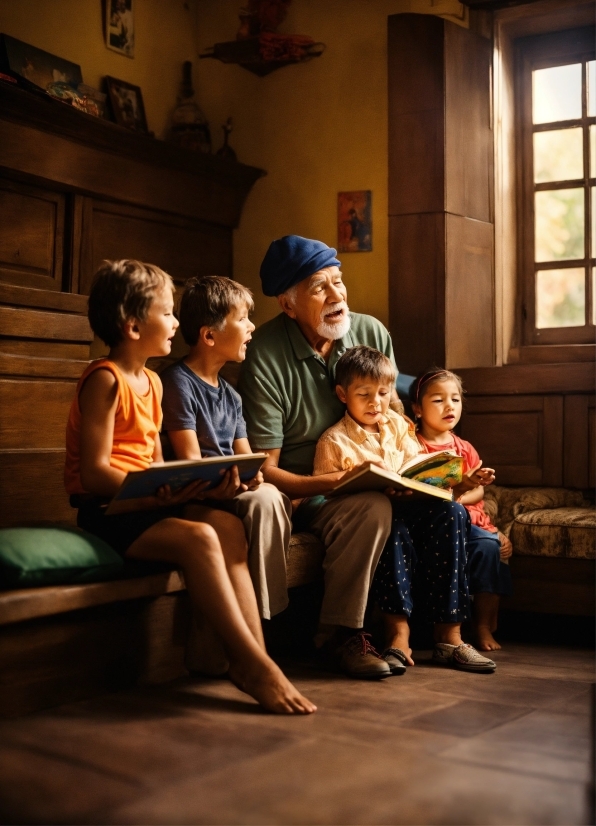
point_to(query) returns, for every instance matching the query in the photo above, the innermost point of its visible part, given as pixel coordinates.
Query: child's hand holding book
(476, 477)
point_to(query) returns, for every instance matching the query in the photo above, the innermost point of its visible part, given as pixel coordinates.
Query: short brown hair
(122, 290)
(422, 382)
(364, 362)
(206, 302)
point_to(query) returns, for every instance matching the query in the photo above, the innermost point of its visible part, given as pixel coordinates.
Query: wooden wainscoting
(44, 348)
(535, 424)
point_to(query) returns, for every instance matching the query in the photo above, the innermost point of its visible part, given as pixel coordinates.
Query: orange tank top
(136, 426)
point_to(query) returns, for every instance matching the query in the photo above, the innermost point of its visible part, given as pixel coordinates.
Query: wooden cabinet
(75, 190)
(31, 236)
(534, 424)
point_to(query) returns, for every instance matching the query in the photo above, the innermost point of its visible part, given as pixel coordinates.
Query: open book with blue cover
(428, 474)
(141, 483)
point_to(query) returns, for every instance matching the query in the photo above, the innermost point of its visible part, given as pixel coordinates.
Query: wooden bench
(64, 643)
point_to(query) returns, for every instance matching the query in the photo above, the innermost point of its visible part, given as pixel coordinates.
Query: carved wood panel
(183, 247)
(31, 236)
(520, 436)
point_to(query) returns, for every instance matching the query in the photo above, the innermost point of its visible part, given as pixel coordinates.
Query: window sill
(552, 353)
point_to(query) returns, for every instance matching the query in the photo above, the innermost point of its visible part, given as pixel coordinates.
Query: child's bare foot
(485, 639)
(271, 688)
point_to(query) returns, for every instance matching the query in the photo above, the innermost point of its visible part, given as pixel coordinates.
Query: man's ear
(130, 329)
(206, 336)
(286, 305)
(341, 394)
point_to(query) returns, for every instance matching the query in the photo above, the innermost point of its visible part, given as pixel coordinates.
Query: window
(557, 155)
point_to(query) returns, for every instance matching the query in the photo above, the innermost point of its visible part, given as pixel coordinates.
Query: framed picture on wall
(126, 102)
(354, 221)
(120, 28)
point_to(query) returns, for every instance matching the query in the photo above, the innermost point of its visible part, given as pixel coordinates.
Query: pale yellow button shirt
(347, 444)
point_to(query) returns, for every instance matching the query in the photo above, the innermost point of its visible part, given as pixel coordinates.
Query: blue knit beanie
(291, 259)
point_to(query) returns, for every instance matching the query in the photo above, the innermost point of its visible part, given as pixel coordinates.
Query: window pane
(592, 151)
(558, 155)
(557, 93)
(560, 298)
(559, 224)
(591, 88)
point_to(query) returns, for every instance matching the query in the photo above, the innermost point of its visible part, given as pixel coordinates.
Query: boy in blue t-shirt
(202, 415)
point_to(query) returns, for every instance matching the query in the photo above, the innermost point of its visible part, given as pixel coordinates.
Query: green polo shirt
(288, 390)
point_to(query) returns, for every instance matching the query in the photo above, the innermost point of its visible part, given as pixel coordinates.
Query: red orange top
(471, 458)
(136, 426)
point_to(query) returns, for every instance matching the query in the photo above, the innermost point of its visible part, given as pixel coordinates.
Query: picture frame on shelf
(35, 68)
(119, 26)
(126, 102)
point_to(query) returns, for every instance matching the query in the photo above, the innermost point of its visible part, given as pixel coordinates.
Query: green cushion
(54, 556)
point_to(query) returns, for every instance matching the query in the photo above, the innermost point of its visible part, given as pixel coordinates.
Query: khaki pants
(266, 514)
(354, 530)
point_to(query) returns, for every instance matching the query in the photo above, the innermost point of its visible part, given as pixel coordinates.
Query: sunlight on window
(559, 225)
(560, 298)
(593, 151)
(557, 93)
(591, 88)
(558, 155)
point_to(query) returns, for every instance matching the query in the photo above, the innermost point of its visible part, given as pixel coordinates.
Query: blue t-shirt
(189, 403)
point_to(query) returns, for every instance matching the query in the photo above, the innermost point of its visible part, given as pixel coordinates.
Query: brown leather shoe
(357, 658)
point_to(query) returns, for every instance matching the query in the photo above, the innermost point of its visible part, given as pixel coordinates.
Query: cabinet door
(580, 441)
(31, 236)
(183, 247)
(520, 436)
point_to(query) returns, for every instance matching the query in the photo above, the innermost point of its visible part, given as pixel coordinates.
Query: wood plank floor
(433, 747)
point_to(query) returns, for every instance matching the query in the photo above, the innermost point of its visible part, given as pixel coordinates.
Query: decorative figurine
(190, 128)
(226, 150)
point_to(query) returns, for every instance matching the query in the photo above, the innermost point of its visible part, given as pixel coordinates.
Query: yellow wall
(165, 34)
(318, 129)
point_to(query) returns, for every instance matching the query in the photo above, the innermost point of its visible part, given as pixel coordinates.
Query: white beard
(334, 331)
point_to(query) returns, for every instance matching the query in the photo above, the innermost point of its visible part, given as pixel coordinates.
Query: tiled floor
(432, 747)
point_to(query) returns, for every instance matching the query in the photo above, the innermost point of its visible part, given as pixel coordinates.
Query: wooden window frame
(537, 52)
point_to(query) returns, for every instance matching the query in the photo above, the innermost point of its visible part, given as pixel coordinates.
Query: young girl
(113, 428)
(436, 398)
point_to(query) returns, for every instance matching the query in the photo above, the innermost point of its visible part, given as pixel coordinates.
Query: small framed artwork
(120, 28)
(34, 66)
(354, 221)
(127, 104)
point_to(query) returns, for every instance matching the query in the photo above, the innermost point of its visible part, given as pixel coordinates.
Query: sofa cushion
(562, 532)
(503, 505)
(54, 556)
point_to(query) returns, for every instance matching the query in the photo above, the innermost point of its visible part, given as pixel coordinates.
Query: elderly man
(289, 399)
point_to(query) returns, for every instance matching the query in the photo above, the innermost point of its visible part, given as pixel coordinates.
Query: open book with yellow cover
(429, 474)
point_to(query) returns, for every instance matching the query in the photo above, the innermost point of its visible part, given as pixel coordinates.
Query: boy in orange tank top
(113, 428)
